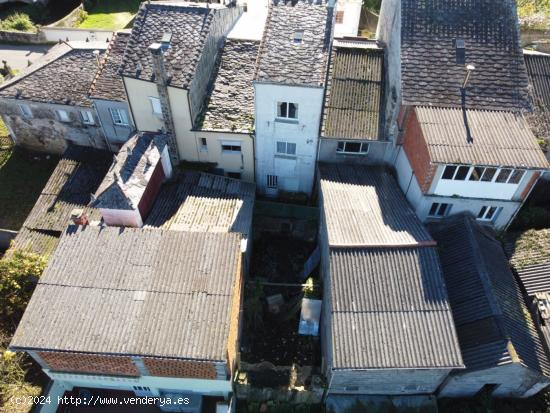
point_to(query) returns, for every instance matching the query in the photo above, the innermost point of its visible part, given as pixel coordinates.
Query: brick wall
(234, 326)
(416, 149)
(180, 368)
(529, 185)
(89, 363)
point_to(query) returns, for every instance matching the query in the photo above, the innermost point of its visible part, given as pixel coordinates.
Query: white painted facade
(348, 14)
(461, 196)
(295, 173)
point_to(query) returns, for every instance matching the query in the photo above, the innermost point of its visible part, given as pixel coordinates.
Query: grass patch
(22, 176)
(109, 14)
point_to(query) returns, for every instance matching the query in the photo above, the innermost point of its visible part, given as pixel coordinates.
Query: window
(232, 147)
(298, 36)
(487, 213)
(272, 181)
(87, 117)
(25, 111)
(340, 17)
(63, 115)
(438, 210)
(503, 176)
(234, 175)
(462, 173)
(359, 148)
(483, 174)
(287, 110)
(489, 174)
(516, 176)
(119, 116)
(286, 148)
(155, 105)
(204, 144)
(449, 172)
(477, 173)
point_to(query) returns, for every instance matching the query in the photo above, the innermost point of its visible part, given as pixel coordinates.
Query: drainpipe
(162, 80)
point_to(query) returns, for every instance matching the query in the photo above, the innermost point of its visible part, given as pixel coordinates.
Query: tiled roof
(230, 105)
(493, 323)
(390, 310)
(194, 201)
(431, 72)
(538, 69)
(132, 168)
(498, 138)
(355, 88)
(76, 176)
(63, 78)
(108, 84)
(189, 26)
(281, 60)
(530, 258)
(364, 206)
(136, 292)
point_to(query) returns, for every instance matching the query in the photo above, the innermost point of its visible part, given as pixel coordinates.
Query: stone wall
(22, 37)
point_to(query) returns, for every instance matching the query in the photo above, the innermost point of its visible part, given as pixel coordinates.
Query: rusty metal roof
(497, 138)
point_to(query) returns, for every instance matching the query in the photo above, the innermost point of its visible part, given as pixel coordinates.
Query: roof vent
(460, 46)
(166, 39)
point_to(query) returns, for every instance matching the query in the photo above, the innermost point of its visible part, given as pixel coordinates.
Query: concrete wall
(242, 163)
(389, 34)
(22, 37)
(115, 134)
(377, 155)
(44, 132)
(54, 34)
(138, 92)
(121, 218)
(295, 173)
(221, 24)
(513, 380)
(352, 15)
(387, 381)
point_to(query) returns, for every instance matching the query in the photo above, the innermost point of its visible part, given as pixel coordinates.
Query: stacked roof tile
(295, 46)
(353, 106)
(493, 323)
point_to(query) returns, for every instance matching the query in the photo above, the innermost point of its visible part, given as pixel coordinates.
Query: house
(346, 18)
(538, 70)
(131, 185)
(500, 344)
(168, 68)
(77, 175)
(153, 312)
(457, 87)
(387, 326)
(46, 107)
(529, 258)
(289, 87)
(225, 129)
(108, 94)
(352, 127)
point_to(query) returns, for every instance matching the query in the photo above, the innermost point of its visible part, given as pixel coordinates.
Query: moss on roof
(531, 247)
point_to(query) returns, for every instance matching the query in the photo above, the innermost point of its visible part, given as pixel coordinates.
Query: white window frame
(342, 145)
(63, 115)
(286, 146)
(203, 143)
(230, 147)
(438, 213)
(485, 169)
(488, 213)
(286, 113)
(156, 106)
(87, 117)
(298, 37)
(25, 110)
(272, 181)
(119, 117)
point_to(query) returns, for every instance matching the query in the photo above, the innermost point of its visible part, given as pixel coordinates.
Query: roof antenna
(96, 54)
(469, 69)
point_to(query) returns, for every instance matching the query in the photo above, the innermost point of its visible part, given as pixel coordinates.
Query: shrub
(532, 218)
(19, 22)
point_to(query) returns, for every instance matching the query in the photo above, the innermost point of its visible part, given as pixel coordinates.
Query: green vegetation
(372, 5)
(23, 174)
(534, 14)
(109, 14)
(17, 22)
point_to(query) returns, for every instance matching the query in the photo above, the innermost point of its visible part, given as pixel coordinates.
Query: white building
(289, 87)
(346, 19)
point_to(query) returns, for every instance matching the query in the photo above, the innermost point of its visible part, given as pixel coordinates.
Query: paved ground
(19, 56)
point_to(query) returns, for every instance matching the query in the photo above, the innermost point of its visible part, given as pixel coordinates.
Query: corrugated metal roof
(195, 201)
(364, 206)
(134, 291)
(353, 101)
(497, 138)
(492, 320)
(390, 310)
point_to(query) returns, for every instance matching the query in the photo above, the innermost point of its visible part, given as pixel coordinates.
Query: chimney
(162, 79)
(79, 217)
